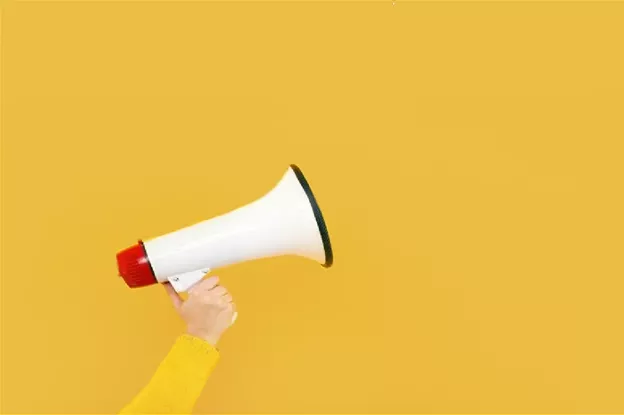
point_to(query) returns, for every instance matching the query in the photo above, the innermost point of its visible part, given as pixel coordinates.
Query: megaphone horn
(285, 221)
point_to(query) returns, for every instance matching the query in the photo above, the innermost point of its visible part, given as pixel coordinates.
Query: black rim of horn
(329, 255)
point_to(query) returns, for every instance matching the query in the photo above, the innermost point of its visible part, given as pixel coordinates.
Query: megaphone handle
(182, 282)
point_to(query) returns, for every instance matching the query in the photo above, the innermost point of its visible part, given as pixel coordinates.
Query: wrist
(210, 338)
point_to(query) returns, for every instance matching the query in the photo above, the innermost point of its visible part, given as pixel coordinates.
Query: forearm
(178, 381)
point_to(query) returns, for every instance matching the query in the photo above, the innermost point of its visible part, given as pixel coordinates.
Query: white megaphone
(285, 221)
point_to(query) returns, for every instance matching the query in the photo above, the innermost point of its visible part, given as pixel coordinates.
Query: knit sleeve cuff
(191, 344)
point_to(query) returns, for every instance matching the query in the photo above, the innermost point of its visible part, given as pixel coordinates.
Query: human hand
(208, 311)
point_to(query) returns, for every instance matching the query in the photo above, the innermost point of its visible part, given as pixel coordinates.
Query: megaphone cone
(285, 221)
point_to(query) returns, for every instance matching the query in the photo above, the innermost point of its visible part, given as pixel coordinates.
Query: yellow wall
(467, 156)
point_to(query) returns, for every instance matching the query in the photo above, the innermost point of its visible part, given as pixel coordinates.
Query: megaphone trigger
(183, 282)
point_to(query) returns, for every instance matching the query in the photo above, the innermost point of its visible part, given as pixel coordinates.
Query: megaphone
(285, 221)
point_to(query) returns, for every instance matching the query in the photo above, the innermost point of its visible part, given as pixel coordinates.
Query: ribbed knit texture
(179, 379)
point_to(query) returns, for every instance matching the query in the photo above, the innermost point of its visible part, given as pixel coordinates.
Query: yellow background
(467, 158)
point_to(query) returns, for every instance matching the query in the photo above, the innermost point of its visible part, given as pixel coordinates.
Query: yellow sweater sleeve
(179, 379)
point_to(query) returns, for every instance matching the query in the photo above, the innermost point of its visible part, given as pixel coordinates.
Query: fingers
(173, 294)
(210, 291)
(218, 291)
(207, 284)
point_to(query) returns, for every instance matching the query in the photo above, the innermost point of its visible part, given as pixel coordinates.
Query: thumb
(173, 294)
